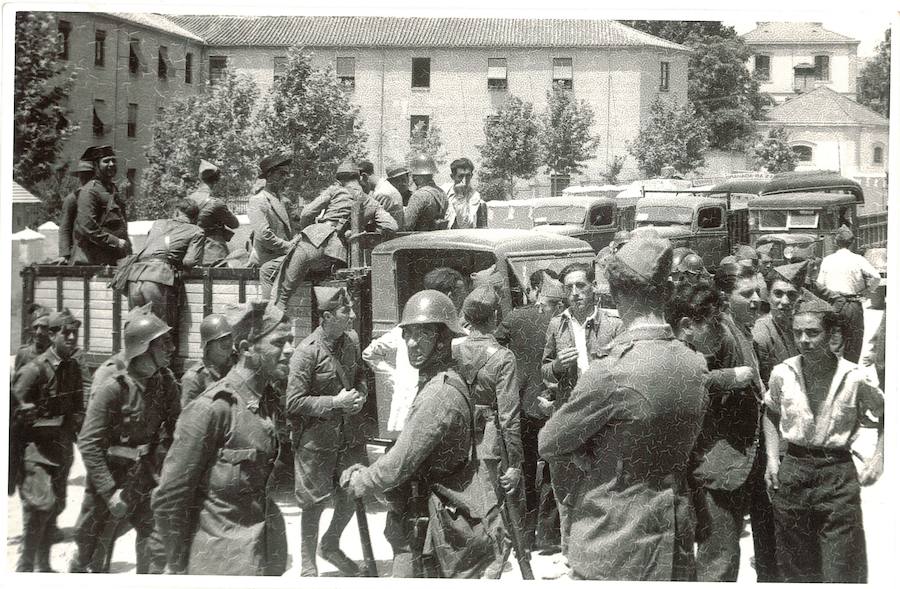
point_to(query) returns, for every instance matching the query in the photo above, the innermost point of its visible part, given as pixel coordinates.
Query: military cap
(270, 162)
(347, 169)
(552, 290)
(728, 260)
(252, 320)
(207, 169)
(844, 233)
(810, 303)
(792, 273)
(60, 319)
(487, 277)
(329, 298)
(82, 167)
(481, 304)
(96, 152)
(365, 167)
(745, 252)
(394, 170)
(647, 258)
(40, 315)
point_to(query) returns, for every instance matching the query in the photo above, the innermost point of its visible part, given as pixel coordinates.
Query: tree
(427, 139)
(720, 87)
(219, 126)
(565, 133)
(875, 79)
(309, 114)
(42, 83)
(773, 153)
(511, 148)
(674, 136)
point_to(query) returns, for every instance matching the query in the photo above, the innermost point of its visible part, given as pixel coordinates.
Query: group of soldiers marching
(637, 440)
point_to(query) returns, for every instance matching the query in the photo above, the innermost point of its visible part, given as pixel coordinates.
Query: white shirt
(847, 273)
(456, 202)
(579, 334)
(404, 378)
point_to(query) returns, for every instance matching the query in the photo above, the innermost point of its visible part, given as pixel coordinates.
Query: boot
(33, 524)
(309, 541)
(336, 556)
(43, 557)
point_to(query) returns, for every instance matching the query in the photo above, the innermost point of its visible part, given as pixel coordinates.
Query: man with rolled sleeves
(133, 405)
(48, 393)
(101, 223)
(326, 391)
(218, 223)
(392, 191)
(629, 427)
(269, 219)
(84, 171)
(427, 207)
(218, 356)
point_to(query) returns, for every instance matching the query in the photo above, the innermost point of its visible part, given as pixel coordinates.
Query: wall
(783, 58)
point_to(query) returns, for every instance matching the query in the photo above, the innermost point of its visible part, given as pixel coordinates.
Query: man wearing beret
(84, 171)
(212, 507)
(392, 191)
(326, 391)
(269, 219)
(101, 224)
(848, 278)
(629, 427)
(48, 393)
(218, 223)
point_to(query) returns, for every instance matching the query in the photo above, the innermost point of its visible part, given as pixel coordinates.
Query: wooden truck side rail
(872, 230)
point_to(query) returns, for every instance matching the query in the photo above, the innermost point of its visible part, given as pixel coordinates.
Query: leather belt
(133, 453)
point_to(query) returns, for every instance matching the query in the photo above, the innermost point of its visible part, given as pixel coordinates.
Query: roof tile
(793, 33)
(824, 106)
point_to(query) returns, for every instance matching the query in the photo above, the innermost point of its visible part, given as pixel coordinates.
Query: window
(421, 72)
(99, 48)
(806, 74)
(162, 63)
(217, 67)
(709, 218)
(604, 215)
(803, 219)
(279, 66)
(345, 68)
(803, 152)
(134, 52)
(664, 76)
(99, 111)
(878, 155)
(496, 77)
(131, 182)
(418, 121)
(562, 73)
(65, 29)
(189, 68)
(773, 220)
(762, 68)
(823, 67)
(132, 119)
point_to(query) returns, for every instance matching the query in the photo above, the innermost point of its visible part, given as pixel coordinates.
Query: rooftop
(387, 32)
(20, 195)
(156, 22)
(508, 241)
(794, 33)
(824, 106)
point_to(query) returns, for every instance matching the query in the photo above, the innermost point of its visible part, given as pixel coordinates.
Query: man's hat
(365, 167)
(650, 259)
(793, 273)
(270, 162)
(40, 315)
(745, 252)
(82, 167)
(329, 298)
(394, 170)
(481, 304)
(348, 169)
(60, 319)
(252, 320)
(552, 290)
(207, 169)
(810, 303)
(844, 233)
(487, 277)
(96, 152)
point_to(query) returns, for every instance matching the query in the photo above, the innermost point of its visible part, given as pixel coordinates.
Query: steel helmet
(431, 306)
(140, 331)
(678, 254)
(213, 327)
(692, 263)
(423, 165)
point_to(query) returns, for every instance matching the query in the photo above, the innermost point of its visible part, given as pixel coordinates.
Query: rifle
(419, 527)
(371, 569)
(510, 513)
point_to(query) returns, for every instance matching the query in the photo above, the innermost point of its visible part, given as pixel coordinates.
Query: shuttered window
(496, 76)
(562, 72)
(345, 69)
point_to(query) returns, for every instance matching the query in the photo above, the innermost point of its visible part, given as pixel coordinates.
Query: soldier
(48, 392)
(466, 210)
(101, 224)
(322, 242)
(84, 171)
(40, 337)
(212, 506)
(690, 270)
(747, 256)
(848, 278)
(218, 356)
(214, 217)
(272, 230)
(392, 192)
(132, 406)
(427, 208)
(326, 391)
(629, 426)
(172, 245)
(435, 447)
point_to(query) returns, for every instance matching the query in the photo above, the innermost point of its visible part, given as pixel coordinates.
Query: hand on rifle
(350, 480)
(117, 506)
(510, 480)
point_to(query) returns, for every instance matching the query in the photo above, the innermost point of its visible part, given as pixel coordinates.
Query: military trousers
(40, 494)
(720, 521)
(267, 272)
(853, 324)
(530, 457)
(214, 251)
(407, 546)
(762, 522)
(162, 297)
(818, 518)
(303, 258)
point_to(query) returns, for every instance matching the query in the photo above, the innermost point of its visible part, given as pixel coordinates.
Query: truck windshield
(559, 215)
(522, 267)
(664, 215)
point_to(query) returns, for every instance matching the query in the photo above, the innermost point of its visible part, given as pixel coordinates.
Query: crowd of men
(637, 440)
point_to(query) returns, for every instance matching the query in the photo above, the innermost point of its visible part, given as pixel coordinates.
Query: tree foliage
(309, 114)
(42, 83)
(565, 133)
(511, 149)
(875, 79)
(673, 135)
(427, 140)
(773, 152)
(219, 126)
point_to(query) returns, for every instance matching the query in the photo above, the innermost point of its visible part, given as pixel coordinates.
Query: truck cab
(697, 222)
(589, 218)
(817, 214)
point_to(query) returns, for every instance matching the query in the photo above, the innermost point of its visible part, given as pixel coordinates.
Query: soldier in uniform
(213, 217)
(218, 356)
(101, 224)
(48, 393)
(427, 209)
(133, 405)
(84, 171)
(322, 242)
(272, 229)
(434, 447)
(326, 391)
(172, 245)
(40, 337)
(629, 427)
(212, 507)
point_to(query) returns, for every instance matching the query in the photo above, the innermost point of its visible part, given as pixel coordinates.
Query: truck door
(710, 238)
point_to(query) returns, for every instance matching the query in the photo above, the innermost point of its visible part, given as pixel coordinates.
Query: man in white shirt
(848, 277)
(466, 210)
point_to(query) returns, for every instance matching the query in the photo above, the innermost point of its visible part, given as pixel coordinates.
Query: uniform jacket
(211, 506)
(523, 331)
(122, 413)
(272, 231)
(773, 346)
(67, 214)
(390, 198)
(172, 245)
(427, 209)
(99, 224)
(559, 337)
(630, 425)
(217, 222)
(24, 355)
(494, 376)
(197, 379)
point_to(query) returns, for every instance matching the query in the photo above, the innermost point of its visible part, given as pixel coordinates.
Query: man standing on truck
(217, 344)
(848, 277)
(427, 208)
(84, 171)
(466, 210)
(392, 192)
(213, 217)
(101, 224)
(269, 219)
